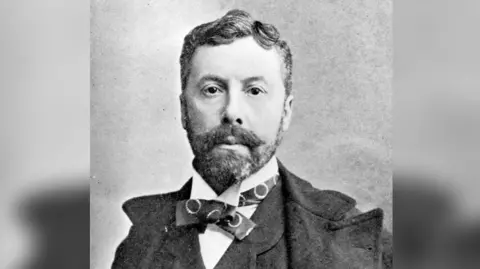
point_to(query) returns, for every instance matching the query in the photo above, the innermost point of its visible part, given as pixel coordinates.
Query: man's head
(236, 96)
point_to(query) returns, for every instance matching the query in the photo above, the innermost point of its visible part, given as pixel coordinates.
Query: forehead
(241, 59)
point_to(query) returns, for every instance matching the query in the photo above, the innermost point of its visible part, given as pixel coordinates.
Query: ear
(287, 112)
(183, 111)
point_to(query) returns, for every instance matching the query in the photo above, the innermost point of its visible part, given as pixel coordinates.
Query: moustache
(231, 135)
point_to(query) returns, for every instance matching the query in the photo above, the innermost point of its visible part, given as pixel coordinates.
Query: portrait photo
(241, 134)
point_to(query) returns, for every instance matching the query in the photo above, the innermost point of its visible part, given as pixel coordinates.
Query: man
(242, 208)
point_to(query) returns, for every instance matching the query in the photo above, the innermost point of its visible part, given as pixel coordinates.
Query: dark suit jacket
(298, 226)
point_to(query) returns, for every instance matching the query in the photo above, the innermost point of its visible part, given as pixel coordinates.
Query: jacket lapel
(318, 233)
(167, 246)
(180, 249)
(269, 218)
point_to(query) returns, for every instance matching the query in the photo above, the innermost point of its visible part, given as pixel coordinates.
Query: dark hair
(232, 26)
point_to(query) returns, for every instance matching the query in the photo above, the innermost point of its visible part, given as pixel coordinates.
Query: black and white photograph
(239, 134)
(228, 134)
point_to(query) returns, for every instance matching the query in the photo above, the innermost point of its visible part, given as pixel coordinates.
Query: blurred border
(45, 127)
(436, 117)
(45, 137)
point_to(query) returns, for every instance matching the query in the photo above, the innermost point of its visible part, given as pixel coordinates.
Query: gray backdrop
(341, 133)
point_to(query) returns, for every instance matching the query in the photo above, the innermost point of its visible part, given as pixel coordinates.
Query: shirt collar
(201, 190)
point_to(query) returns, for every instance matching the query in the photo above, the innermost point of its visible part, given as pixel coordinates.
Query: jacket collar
(156, 212)
(330, 205)
(169, 246)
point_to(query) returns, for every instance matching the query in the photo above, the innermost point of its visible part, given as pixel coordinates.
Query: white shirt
(215, 241)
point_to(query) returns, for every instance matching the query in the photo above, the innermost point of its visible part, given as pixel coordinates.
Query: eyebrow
(254, 78)
(210, 77)
(224, 82)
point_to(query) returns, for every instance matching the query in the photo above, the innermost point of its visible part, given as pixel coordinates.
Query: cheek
(203, 117)
(267, 122)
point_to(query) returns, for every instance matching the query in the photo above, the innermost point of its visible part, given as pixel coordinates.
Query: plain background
(341, 134)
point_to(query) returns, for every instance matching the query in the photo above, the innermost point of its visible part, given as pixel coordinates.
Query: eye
(211, 90)
(255, 91)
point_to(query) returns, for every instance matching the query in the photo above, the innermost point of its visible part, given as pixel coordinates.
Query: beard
(224, 169)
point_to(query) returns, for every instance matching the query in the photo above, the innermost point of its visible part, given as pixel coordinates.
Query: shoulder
(141, 209)
(154, 208)
(331, 204)
(138, 208)
(336, 206)
(151, 210)
(325, 203)
(351, 225)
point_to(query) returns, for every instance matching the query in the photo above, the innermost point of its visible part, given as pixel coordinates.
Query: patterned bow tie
(204, 212)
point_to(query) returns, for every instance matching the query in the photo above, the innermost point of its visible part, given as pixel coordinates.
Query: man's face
(234, 108)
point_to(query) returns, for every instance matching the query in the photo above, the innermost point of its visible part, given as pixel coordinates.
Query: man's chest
(190, 252)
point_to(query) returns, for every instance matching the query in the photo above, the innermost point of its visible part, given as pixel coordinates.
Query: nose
(233, 113)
